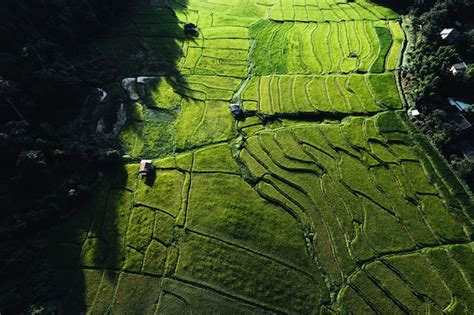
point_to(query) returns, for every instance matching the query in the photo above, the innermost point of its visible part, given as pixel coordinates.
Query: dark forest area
(49, 156)
(47, 151)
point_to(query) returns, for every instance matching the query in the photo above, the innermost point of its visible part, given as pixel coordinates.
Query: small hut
(462, 106)
(146, 166)
(458, 68)
(236, 110)
(450, 35)
(415, 113)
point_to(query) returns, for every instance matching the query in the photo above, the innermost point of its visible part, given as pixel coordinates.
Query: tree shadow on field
(79, 259)
(164, 46)
(88, 252)
(147, 39)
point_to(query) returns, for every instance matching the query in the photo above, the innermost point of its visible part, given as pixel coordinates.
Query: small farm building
(415, 113)
(146, 166)
(450, 34)
(236, 109)
(463, 107)
(458, 68)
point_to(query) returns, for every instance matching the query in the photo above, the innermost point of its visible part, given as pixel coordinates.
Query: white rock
(130, 85)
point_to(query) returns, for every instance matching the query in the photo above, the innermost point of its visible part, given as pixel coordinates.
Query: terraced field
(324, 199)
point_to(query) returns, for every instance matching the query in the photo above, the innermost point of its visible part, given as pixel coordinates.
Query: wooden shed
(146, 166)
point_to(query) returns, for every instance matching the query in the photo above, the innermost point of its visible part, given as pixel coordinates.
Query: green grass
(135, 293)
(287, 289)
(379, 300)
(163, 229)
(463, 255)
(161, 94)
(352, 130)
(215, 159)
(351, 300)
(135, 112)
(301, 48)
(442, 222)
(417, 271)
(396, 286)
(141, 228)
(394, 56)
(150, 137)
(164, 193)
(155, 258)
(384, 231)
(230, 217)
(323, 199)
(105, 293)
(179, 297)
(385, 39)
(453, 276)
(385, 90)
(114, 230)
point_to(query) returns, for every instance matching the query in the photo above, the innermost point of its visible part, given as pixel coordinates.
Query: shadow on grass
(87, 253)
(146, 40)
(150, 178)
(163, 46)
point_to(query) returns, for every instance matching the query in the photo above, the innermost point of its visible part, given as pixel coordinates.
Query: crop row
(236, 272)
(319, 176)
(356, 211)
(319, 12)
(221, 44)
(437, 279)
(181, 297)
(304, 10)
(320, 48)
(354, 93)
(112, 291)
(136, 239)
(132, 238)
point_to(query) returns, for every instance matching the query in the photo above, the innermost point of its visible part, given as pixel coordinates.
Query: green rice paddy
(323, 200)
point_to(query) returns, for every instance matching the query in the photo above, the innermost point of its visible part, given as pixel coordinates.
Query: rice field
(324, 199)
(326, 47)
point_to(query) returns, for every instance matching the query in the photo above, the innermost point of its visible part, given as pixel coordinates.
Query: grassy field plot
(355, 93)
(320, 48)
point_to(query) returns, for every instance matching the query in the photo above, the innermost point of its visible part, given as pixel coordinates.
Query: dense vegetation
(47, 148)
(44, 88)
(324, 198)
(428, 82)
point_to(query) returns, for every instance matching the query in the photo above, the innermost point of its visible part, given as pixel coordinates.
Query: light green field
(323, 200)
(325, 47)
